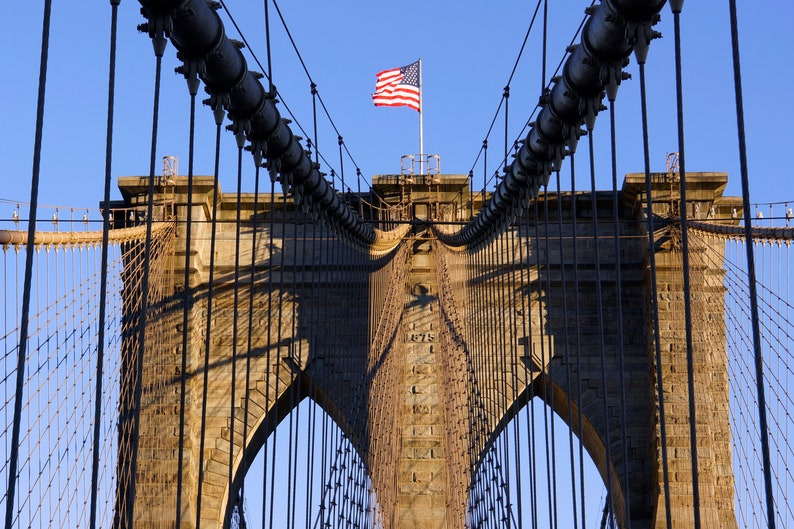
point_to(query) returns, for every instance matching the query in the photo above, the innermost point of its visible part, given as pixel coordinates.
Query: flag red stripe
(391, 90)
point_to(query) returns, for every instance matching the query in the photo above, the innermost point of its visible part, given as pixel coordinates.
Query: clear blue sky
(468, 51)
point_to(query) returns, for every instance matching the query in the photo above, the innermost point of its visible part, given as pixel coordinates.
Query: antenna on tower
(673, 169)
(170, 169)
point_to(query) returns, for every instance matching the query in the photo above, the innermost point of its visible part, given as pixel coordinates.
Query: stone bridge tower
(380, 342)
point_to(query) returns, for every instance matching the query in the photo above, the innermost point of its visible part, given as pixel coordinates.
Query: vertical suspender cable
(313, 88)
(270, 88)
(484, 167)
(278, 362)
(218, 112)
(158, 42)
(232, 496)
(360, 197)
(267, 519)
(271, 213)
(187, 299)
(551, 479)
(310, 446)
(331, 476)
(548, 415)
(506, 96)
(477, 354)
(567, 349)
(292, 427)
(312, 318)
(544, 54)
(29, 253)
(295, 356)
(504, 305)
(475, 410)
(314, 120)
(577, 326)
(342, 166)
(544, 367)
(655, 299)
(324, 448)
(495, 376)
(349, 276)
(471, 192)
(250, 332)
(489, 411)
(751, 281)
(471, 334)
(530, 415)
(619, 308)
(516, 327)
(492, 410)
(312, 420)
(600, 311)
(103, 272)
(676, 6)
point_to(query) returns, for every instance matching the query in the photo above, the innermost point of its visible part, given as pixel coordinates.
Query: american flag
(398, 87)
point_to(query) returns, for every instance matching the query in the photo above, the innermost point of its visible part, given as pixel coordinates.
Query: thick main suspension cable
(614, 29)
(198, 34)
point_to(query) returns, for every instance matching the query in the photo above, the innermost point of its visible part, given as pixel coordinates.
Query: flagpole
(421, 137)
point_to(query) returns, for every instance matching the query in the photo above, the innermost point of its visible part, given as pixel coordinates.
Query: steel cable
(685, 267)
(25, 313)
(750, 263)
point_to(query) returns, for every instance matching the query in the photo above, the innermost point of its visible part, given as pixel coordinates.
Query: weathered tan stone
(425, 429)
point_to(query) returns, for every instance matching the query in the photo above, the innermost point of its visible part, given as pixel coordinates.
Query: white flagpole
(421, 137)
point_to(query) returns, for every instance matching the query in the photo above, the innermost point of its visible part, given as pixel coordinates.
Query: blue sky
(468, 51)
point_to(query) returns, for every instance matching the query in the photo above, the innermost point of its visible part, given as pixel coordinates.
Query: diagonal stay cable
(268, 75)
(104, 265)
(537, 106)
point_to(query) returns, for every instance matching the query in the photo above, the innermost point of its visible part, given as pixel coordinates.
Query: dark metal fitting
(218, 113)
(190, 70)
(157, 27)
(240, 137)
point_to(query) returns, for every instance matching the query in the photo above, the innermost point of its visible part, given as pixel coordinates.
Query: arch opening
(537, 473)
(306, 473)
